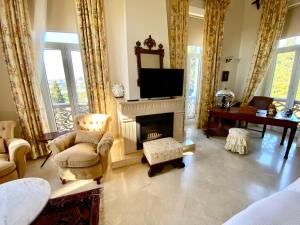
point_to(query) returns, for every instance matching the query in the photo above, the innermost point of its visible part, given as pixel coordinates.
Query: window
(193, 77)
(285, 88)
(66, 91)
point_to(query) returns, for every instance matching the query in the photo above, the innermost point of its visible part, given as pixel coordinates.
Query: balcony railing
(63, 116)
(281, 106)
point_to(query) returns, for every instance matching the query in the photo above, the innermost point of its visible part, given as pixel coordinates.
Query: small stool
(237, 140)
(160, 152)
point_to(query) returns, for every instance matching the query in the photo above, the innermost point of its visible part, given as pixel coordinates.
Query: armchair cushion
(6, 167)
(79, 155)
(105, 144)
(85, 136)
(2, 146)
(4, 157)
(62, 142)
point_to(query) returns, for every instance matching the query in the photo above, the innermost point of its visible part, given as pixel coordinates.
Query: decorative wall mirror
(148, 57)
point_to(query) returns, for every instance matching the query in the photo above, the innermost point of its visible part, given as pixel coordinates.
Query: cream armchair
(79, 154)
(12, 153)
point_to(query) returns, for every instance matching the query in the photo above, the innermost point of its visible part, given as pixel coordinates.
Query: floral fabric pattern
(90, 17)
(271, 26)
(17, 47)
(211, 56)
(178, 33)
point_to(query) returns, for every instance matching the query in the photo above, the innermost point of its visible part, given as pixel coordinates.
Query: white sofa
(281, 208)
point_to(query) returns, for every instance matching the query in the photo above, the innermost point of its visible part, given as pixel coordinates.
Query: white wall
(144, 18)
(240, 31)
(115, 15)
(61, 16)
(195, 32)
(231, 43)
(292, 27)
(250, 27)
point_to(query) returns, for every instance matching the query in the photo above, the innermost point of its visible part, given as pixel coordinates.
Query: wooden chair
(262, 103)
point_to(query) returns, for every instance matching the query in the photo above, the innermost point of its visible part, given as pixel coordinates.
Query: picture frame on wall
(225, 76)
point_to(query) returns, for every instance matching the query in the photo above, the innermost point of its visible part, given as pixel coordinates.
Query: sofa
(281, 208)
(84, 153)
(12, 153)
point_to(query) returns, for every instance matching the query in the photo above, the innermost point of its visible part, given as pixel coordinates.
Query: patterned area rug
(81, 208)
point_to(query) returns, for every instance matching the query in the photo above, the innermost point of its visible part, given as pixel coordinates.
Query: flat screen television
(158, 83)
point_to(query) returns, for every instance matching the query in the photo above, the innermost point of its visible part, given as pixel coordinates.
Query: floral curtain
(271, 26)
(17, 47)
(90, 16)
(178, 33)
(38, 16)
(211, 56)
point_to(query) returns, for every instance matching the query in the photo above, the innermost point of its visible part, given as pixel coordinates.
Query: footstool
(160, 152)
(237, 140)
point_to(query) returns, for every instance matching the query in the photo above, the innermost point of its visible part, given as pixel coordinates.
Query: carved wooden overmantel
(149, 43)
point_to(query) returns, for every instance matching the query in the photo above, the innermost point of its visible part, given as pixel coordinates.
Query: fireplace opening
(151, 127)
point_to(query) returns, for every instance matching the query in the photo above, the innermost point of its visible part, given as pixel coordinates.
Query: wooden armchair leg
(63, 181)
(264, 130)
(98, 180)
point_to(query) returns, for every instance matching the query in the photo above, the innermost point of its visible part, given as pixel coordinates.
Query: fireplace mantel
(129, 110)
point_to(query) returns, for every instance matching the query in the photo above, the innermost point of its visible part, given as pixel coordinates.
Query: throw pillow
(85, 136)
(2, 145)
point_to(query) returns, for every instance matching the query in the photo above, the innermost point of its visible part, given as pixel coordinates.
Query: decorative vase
(118, 90)
(224, 98)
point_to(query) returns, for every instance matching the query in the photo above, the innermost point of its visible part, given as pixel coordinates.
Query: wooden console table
(259, 118)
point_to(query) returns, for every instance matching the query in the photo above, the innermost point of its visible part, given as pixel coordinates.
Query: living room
(149, 112)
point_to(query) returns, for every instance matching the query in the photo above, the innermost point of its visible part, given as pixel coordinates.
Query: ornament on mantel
(118, 90)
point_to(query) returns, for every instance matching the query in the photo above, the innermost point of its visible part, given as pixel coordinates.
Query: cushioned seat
(162, 150)
(77, 156)
(6, 167)
(12, 153)
(237, 140)
(84, 153)
(4, 157)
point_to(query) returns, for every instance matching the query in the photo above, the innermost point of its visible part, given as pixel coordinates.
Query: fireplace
(151, 127)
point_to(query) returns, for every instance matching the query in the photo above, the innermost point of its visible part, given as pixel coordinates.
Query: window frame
(295, 76)
(65, 49)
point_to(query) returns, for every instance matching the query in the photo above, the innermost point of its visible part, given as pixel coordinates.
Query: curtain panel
(178, 33)
(90, 17)
(15, 36)
(271, 26)
(211, 56)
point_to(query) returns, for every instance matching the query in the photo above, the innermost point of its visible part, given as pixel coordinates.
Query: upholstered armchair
(12, 153)
(84, 153)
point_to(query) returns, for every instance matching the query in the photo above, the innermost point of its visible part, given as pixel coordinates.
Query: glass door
(286, 77)
(193, 78)
(66, 84)
(78, 82)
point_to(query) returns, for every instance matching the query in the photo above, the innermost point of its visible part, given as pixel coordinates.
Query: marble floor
(214, 185)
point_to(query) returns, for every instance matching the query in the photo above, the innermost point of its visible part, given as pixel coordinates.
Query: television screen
(155, 83)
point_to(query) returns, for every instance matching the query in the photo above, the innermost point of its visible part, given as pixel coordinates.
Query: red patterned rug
(77, 209)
